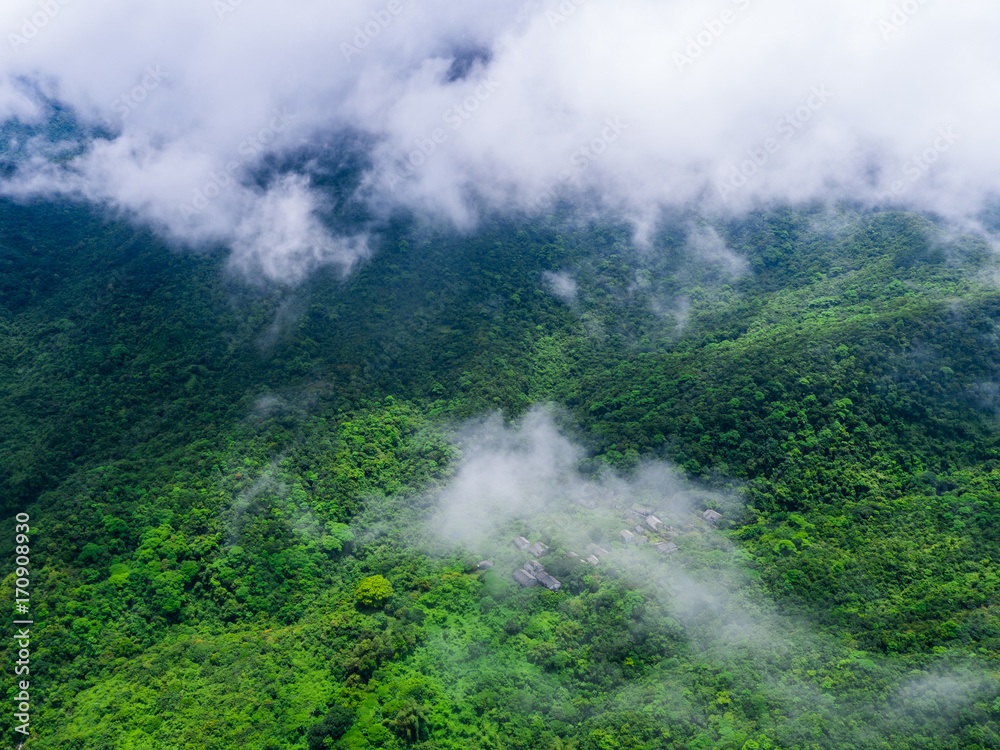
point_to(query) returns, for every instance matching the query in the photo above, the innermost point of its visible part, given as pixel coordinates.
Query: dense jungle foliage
(229, 484)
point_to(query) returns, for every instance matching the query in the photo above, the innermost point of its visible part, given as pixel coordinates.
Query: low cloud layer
(633, 105)
(530, 473)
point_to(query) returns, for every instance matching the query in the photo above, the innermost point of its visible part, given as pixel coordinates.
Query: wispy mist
(524, 479)
(631, 104)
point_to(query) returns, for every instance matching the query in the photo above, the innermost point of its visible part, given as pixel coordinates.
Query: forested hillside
(233, 486)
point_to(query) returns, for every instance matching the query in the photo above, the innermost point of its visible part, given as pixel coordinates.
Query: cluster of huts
(648, 524)
(533, 573)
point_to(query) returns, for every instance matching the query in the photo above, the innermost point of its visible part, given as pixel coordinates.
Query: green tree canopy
(373, 591)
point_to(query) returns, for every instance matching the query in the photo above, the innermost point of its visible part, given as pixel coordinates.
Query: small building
(654, 523)
(640, 529)
(711, 516)
(521, 543)
(601, 552)
(524, 578)
(549, 582)
(641, 539)
(666, 548)
(534, 567)
(485, 565)
(627, 537)
(642, 511)
(593, 560)
(631, 515)
(572, 554)
(538, 549)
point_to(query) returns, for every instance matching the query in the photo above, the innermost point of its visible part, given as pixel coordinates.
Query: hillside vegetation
(219, 470)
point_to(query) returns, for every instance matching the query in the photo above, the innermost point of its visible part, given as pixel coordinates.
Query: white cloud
(15, 103)
(597, 102)
(283, 239)
(562, 285)
(529, 471)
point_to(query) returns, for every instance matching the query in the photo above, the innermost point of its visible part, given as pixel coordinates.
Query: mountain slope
(212, 467)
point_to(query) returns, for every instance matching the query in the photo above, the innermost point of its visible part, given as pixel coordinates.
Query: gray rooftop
(549, 582)
(525, 579)
(534, 567)
(538, 549)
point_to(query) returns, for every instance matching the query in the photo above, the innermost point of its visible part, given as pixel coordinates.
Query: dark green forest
(233, 484)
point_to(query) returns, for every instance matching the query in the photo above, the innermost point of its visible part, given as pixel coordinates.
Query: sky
(629, 105)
